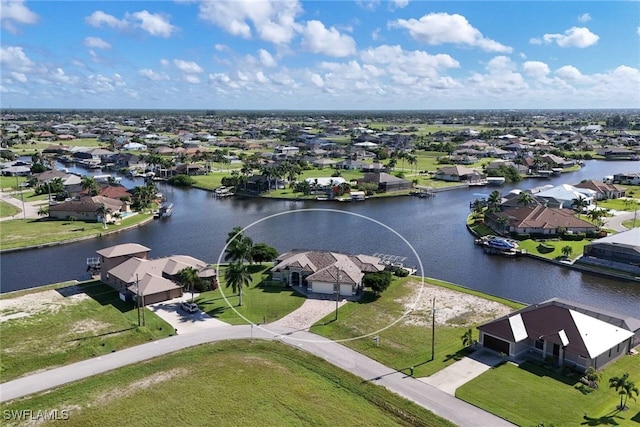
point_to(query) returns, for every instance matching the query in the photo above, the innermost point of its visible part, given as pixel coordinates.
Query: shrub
(544, 249)
(181, 180)
(573, 237)
(401, 272)
(522, 236)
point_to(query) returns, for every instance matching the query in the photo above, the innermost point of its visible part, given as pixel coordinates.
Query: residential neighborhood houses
(349, 161)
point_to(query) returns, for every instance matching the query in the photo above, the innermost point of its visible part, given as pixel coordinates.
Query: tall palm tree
(89, 183)
(237, 277)
(567, 251)
(189, 278)
(103, 211)
(493, 202)
(525, 198)
(579, 204)
(239, 246)
(624, 387)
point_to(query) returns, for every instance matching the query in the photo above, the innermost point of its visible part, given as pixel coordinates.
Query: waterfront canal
(434, 228)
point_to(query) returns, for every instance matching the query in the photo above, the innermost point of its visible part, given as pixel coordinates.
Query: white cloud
(13, 58)
(536, 69)
(585, 17)
(99, 18)
(441, 28)
(394, 57)
(266, 59)
(152, 75)
(190, 78)
(13, 13)
(317, 38)
(574, 37)
(221, 47)
(164, 62)
(21, 77)
(187, 67)
(399, 4)
(535, 40)
(638, 30)
(569, 72)
(316, 79)
(272, 20)
(375, 35)
(96, 42)
(154, 24)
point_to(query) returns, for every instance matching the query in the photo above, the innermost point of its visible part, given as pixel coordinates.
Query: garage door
(496, 344)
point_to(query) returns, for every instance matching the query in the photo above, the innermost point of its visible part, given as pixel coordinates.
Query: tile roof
(123, 249)
(328, 266)
(544, 217)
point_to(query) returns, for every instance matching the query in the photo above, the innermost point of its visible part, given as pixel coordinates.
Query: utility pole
(138, 297)
(433, 329)
(337, 292)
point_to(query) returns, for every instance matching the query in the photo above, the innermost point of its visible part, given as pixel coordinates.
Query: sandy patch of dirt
(30, 304)
(136, 386)
(453, 308)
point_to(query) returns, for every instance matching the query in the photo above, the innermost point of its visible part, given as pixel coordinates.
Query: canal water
(430, 233)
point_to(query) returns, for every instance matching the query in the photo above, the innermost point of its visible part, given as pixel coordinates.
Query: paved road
(30, 208)
(425, 395)
(615, 222)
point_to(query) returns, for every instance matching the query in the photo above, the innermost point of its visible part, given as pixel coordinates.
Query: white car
(189, 307)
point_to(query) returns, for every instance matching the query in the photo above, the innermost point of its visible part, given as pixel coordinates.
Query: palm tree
(625, 389)
(103, 211)
(525, 198)
(237, 277)
(467, 338)
(493, 202)
(579, 204)
(238, 246)
(412, 160)
(189, 278)
(592, 376)
(596, 215)
(44, 210)
(567, 251)
(89, 183)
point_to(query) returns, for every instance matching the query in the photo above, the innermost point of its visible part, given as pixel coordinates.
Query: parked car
(189, 307)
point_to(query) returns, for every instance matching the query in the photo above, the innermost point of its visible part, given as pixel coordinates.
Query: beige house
(322, 272)
(88, 209)
(128, 269)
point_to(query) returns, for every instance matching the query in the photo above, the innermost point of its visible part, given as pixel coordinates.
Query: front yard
(71, 323)
(530, 394)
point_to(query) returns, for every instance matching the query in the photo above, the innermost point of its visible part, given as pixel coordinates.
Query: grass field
(7, 209)
(261, 301)
(17, 233)
(402, 344)
(628, 205)
(61, 327)
(532, 394)
(237, 383)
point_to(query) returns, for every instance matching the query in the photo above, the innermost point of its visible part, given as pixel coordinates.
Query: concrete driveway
(183, 322)
(463, 371)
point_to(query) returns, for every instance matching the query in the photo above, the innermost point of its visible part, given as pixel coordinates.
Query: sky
(320, 55)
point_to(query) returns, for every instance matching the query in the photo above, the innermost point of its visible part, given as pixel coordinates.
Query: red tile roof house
(538, 220)
(603, 191)
(128, 269)
(573, 335)
(321, 272)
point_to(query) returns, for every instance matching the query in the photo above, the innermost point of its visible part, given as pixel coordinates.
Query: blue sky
(320, 55)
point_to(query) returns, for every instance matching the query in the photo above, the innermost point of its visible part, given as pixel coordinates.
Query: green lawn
(532, 394)
(59, 330)
(17, 233)
(238, 383)
(7, 209)
(402, 344)
(261, 301)
(631, 223)
(538, 248)
(11, 182)
(620, 204)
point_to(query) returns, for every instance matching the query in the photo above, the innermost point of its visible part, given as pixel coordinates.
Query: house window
(609, 352)
(539, 344)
